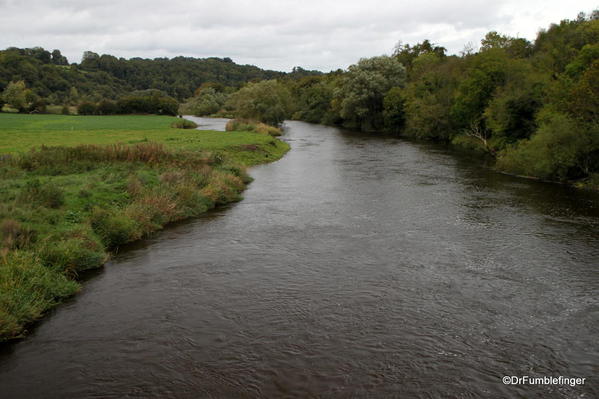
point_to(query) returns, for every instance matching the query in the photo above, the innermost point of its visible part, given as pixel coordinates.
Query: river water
(355, 267)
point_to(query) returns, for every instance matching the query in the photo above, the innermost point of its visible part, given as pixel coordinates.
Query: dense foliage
(98, 77)
(532, 106)
(139, 102)
(268, 101)
(208, 99)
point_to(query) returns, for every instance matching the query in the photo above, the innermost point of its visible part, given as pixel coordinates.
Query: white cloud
(315, 34)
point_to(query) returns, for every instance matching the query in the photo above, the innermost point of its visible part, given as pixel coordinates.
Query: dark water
(355, 267)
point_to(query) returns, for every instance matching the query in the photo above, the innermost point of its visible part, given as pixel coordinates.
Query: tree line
(531, 106)
(50, 78)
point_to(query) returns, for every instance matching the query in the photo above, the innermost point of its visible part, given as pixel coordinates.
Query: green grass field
(93, 183)
(19, 132)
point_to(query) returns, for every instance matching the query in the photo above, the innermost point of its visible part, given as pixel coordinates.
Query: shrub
(184, 124)
(38, 106)
(152, 102)
(267, 101)
(73, 254)
(190, 200)
(245, 125)
(107, 107)
(561, 149)
(87, 108)
(206, 102)
(267, 129)
(223, 188)
(113, 229)
(239, 125)
(151, 212)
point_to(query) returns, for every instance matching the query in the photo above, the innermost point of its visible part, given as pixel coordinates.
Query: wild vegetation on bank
(534, 107)
(74, 188)
(531, 106)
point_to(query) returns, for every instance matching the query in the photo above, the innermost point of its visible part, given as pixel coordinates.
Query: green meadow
(20, 132)
(73, 188)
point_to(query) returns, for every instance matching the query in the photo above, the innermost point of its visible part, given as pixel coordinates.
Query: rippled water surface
(355, 267)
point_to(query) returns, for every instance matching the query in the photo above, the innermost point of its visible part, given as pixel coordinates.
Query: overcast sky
(314, 34)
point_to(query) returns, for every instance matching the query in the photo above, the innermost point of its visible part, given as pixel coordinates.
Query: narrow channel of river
(356, 267)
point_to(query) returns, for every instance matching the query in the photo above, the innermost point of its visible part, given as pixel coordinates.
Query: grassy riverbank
(94, 183)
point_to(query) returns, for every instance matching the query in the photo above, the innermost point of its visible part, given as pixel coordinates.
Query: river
(356, 266)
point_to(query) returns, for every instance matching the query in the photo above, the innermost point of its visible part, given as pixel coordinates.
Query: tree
(511, 112)
(394, 113)
(582, 101)
(363, 89)
(87, 108)
(207, 102)
(73, 95)
(89, 59)
(266, 101)
(313, 96)
(406, 54)
(561, 149)
(58, 58)
(485, 73)
(16, 95)
(515, 47)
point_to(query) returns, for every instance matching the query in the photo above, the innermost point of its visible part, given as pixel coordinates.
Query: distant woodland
(533, 107)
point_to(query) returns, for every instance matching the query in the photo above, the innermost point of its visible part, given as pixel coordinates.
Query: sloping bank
(63, 209)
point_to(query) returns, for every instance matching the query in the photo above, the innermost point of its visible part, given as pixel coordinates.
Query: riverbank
(94, 183)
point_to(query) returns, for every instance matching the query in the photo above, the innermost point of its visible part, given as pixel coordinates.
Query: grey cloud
(319, 34)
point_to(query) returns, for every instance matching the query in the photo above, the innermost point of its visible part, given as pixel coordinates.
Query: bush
(38, 106)
(268, 101)
(73, 254)
(244, 125)
(267, 129)
(87, 108)
(152, 211)
(107, 107)
(240, 125)
(152, 103)
(190, 199)
(561, 149)
(113, 229)
(184, 124)
(207, 102)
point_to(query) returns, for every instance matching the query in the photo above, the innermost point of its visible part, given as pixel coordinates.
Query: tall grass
(27, 290)
(64, 208)
(252, 126)
(67, 203)
(184, 124)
